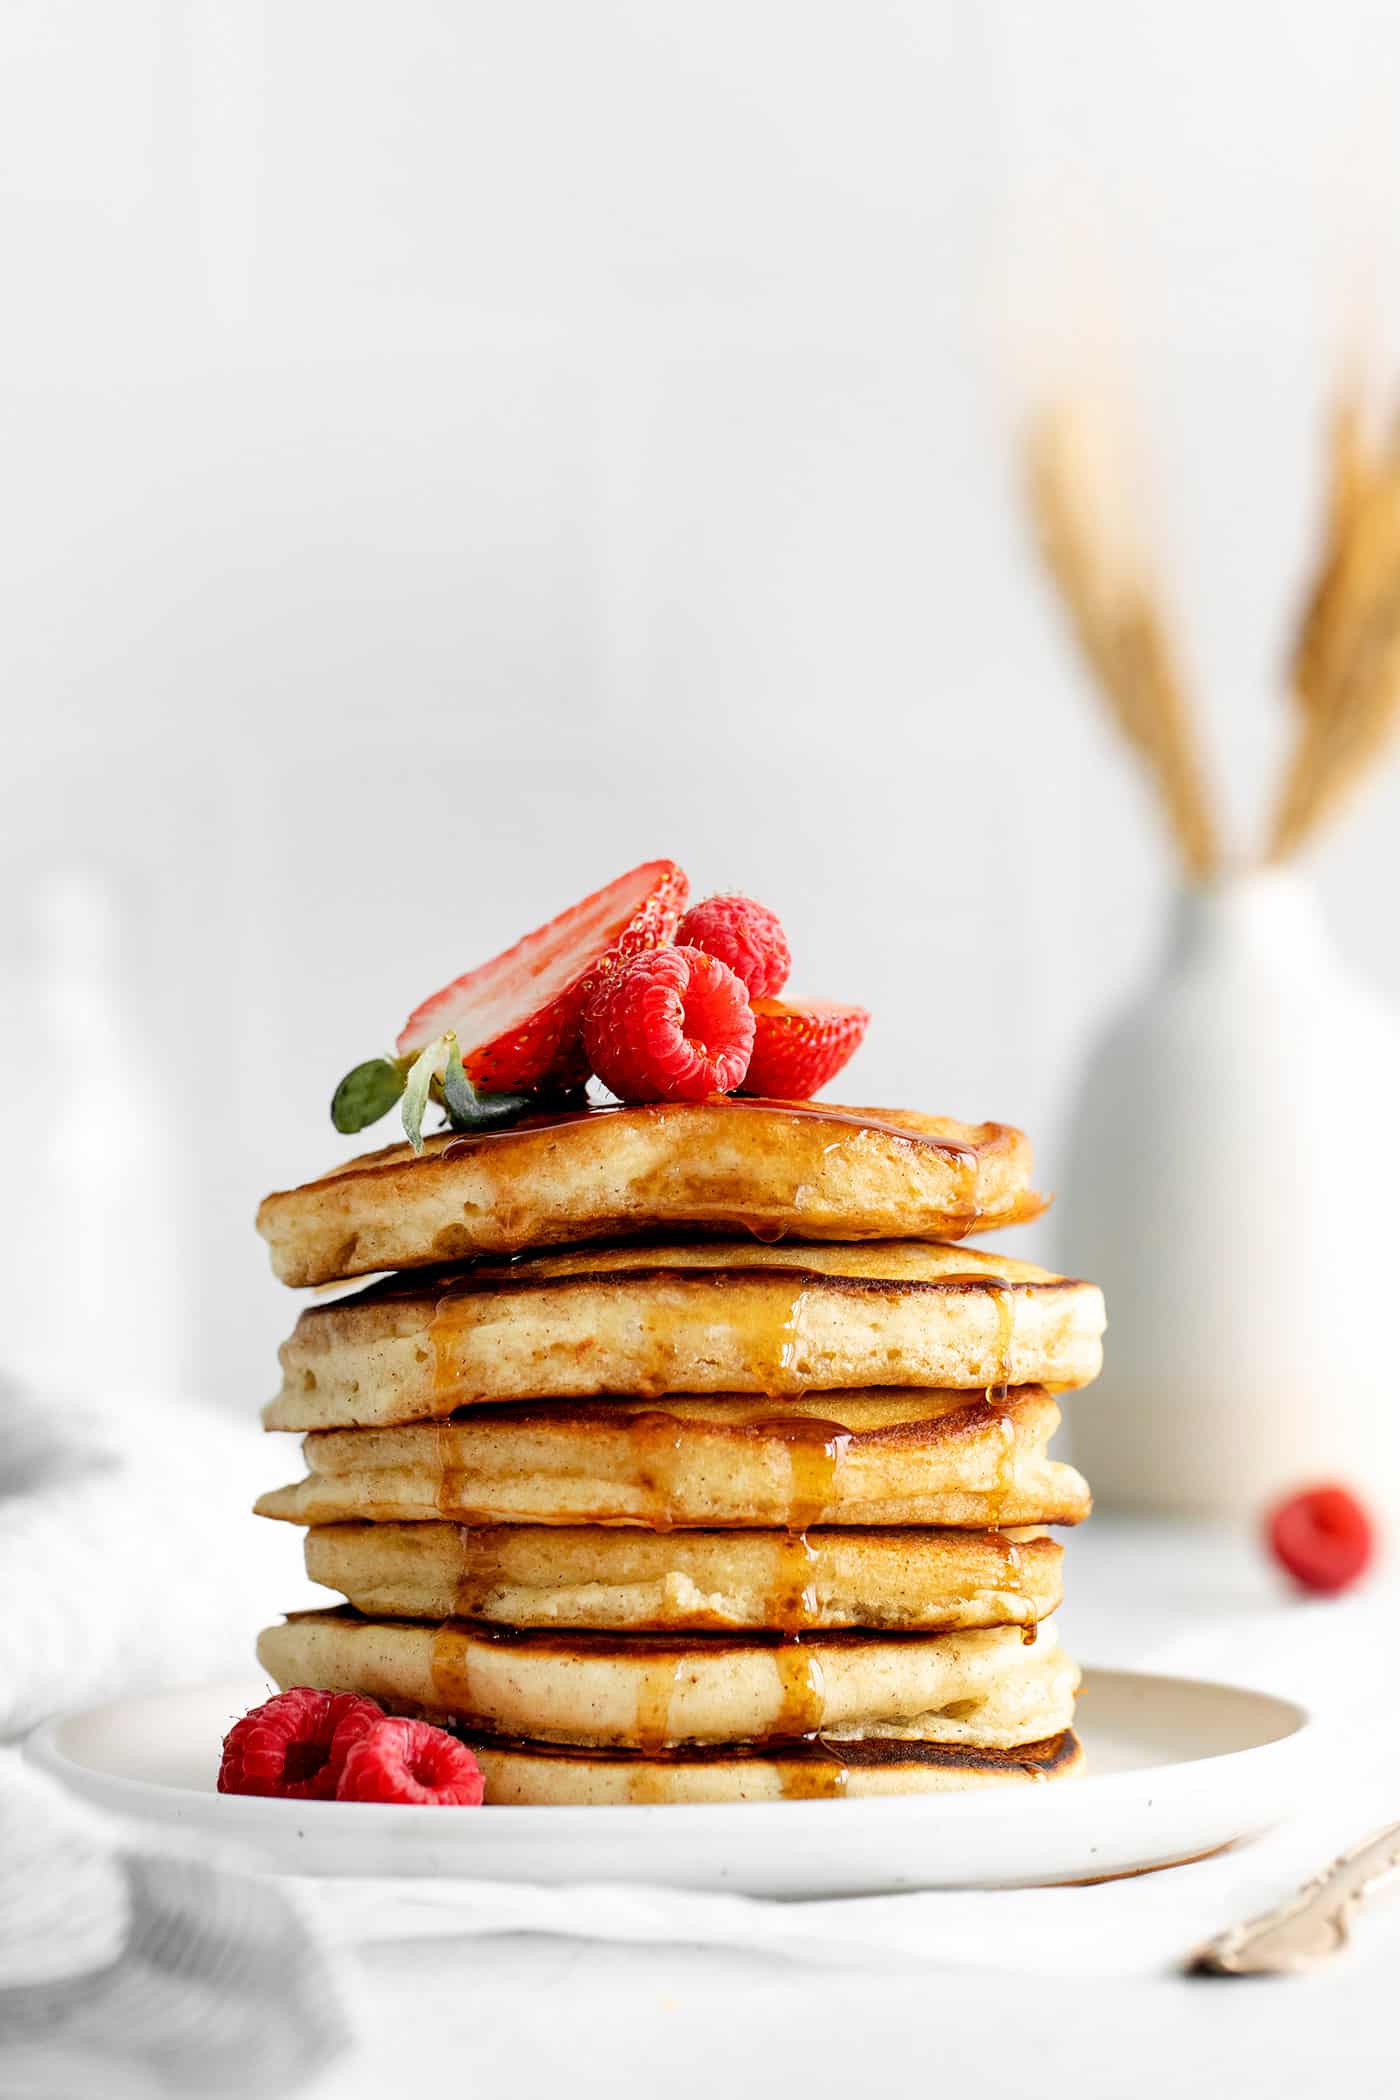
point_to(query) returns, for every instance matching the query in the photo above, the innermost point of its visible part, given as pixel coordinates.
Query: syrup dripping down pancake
(621, 1580)
(969, 1461)
(984, 1690)
(686, 1317)
(806, 1170)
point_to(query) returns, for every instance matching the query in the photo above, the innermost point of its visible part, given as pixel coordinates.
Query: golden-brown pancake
(806, 1169)
(686, 1317)
(865, 1458)
(625, 1580)
(650, 1692)
(540, 1775)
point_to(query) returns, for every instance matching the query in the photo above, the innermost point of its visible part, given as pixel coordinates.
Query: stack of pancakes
(736, 1491)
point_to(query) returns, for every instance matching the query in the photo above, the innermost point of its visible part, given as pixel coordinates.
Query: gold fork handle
(1308, 1927)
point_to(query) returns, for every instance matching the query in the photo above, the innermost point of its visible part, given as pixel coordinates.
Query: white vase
(1233, 1182)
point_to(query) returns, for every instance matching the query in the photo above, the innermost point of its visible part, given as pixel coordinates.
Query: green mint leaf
(494, 1110)
(469, 1110)
(417, 1087)
(366, 1094)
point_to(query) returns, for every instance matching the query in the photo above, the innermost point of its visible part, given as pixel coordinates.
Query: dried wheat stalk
(1346, 662)
(1078, 503)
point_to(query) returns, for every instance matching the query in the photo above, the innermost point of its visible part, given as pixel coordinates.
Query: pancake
(865, 1458)
(641, 1581)
(806, 1169)
(724, 1316)
(987, 1690)
(538, 1775)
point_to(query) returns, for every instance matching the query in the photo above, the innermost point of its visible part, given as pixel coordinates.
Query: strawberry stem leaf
(366, 1094)
(469, 1110)
(436, 1074)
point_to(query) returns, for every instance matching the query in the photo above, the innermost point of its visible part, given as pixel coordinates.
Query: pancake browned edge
(809, 1169)
(623, 1579)
(698, 1317)
(875, 1457)
(520, 1774)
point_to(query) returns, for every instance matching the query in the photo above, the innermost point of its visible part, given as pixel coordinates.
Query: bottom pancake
(541, 1775)
(988, 1689)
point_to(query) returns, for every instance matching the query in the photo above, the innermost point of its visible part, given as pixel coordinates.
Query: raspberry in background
(799, 1044)
(292, 1747)
(674, 1025)
(743, 934)
(517, 1017)
(1324, 1538)
(413, 1762)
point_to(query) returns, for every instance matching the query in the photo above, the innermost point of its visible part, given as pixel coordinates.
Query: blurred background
(453, 452)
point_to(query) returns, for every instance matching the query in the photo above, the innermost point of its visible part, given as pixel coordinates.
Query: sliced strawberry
(799, 1044)
(518, 1017)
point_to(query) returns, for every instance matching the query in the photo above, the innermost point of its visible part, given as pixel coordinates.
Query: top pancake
(806, 1169)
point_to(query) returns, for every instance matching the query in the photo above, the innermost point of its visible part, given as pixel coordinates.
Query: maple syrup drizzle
(657, 1442)
(793, 1602)
(656, 1694)
(815, 1450)
(767, 1316)
(965, 1167)
(661, 1674)
(480, 1566)
(646, 1784)
(1004, 1484)
(448, 1317)
(1004, 1300)
(801, 1690)
(768, 1325)
(450, 1667)
(819, 1775)
(451, 1477)
(964, 1158)
(1013, 1579)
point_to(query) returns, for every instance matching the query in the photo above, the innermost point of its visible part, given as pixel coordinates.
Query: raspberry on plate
(294, 1746)
(674, 1025)
(743, 934)
(399, 1760)
(799, 1044)
(516, 1018)
(1323, 1537)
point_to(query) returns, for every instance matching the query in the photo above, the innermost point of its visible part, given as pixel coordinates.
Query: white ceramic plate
(1175, 1768)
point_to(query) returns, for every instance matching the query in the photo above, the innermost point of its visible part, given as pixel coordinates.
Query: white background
(449, 452)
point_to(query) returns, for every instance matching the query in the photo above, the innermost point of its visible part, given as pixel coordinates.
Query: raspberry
(743, 934)
(801, 1043)
(411, 1761)
(1323, 1537)
(294, 1746)
(674, 1025)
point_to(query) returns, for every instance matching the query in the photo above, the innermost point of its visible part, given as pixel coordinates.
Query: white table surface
(540, 2016)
